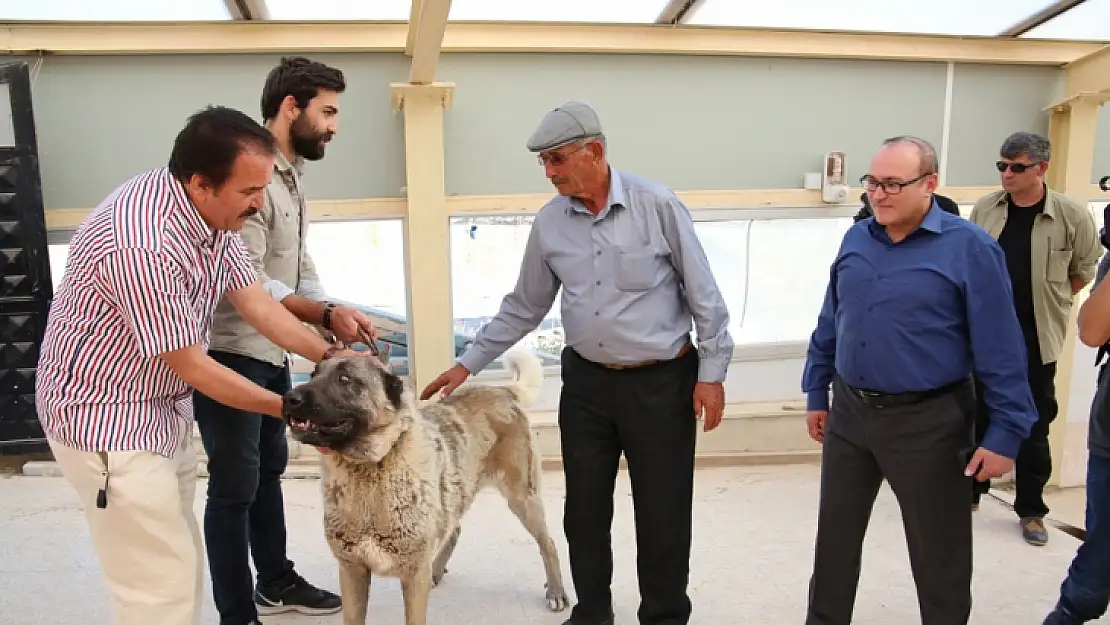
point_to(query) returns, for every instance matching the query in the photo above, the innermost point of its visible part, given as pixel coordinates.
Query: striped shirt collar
(199, 231)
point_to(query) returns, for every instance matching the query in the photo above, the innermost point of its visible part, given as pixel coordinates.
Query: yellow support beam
(1072, 127)
(427, 231)
(414, 19)
(290, 37)
(1089, 74)
(427, 40)
(397, 207)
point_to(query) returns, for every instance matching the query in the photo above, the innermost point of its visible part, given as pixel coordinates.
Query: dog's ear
(394, 387)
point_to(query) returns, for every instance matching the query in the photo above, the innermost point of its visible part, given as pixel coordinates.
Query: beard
(308, 143)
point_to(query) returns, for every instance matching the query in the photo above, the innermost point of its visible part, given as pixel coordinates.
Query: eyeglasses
(1017, 168)
(558, 159)
(890, 187)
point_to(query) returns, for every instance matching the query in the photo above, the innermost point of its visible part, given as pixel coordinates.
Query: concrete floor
(751, 559)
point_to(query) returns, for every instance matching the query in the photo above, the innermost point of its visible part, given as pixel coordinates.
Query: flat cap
(570, 122)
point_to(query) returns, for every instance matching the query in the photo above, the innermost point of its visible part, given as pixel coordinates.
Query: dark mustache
(248, 212)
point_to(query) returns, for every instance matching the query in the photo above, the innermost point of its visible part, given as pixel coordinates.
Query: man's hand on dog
(346, 323)
(448, 381)
(709, 402)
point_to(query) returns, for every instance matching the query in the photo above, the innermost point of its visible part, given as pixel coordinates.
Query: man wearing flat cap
(635, 281)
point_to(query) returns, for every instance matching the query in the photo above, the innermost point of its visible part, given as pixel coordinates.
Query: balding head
(926, 154)
(900, 183)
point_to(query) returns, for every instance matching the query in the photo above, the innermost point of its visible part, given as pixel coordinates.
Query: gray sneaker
(1034, 531)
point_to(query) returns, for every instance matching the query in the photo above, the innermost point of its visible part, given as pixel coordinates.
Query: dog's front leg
(354, 586)
(416, 586)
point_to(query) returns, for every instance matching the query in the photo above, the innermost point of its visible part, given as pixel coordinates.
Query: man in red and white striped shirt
(126, 343)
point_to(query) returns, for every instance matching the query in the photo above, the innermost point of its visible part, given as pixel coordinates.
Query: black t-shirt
(1016, 239)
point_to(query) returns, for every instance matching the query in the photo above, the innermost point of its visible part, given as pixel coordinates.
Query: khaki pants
(147, 538)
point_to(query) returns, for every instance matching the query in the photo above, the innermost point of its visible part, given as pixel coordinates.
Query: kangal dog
(402, 476)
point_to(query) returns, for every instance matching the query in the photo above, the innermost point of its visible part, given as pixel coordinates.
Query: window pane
(772, 273)
(485, 260)
(1088, 21)
(607, 11)
(7, 123)
(642, 11)
(336, 10)
(363, 263)
(115, 10)
(58, 253)
(948, 17)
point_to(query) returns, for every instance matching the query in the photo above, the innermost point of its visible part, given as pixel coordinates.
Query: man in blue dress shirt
(918, 300)
(635, 280)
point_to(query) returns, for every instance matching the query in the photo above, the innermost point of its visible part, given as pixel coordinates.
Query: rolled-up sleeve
(707, 305)
(521, 311)
(152, 295)
(1088, 248)
(310, 286)
(255, 238)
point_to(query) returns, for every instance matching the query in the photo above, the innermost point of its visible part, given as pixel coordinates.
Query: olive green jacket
(1065, 244)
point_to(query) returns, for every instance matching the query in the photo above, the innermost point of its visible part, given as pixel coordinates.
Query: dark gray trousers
(921, 449)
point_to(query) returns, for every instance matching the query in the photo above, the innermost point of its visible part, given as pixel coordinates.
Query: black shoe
(578, 621)
(296, 596)
(1060, 616)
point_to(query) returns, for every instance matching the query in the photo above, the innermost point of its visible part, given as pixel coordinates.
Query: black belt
(877, 399)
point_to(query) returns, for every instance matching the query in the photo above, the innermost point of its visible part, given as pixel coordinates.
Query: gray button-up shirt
(635, 279)
(275, 237)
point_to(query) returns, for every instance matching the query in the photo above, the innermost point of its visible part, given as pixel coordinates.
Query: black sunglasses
(1017, 168)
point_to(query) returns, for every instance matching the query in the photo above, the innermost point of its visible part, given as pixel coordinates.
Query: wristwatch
(325, 321)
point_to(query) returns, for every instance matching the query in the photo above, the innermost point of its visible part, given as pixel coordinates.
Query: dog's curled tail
(527, 369)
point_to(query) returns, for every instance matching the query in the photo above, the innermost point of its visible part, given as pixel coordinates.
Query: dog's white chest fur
(380, 520)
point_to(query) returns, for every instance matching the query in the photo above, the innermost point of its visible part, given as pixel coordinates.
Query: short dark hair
(1036, 147)
(301, 78)
(211, 141)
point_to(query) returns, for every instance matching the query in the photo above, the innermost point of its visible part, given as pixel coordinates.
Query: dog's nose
(294, 398)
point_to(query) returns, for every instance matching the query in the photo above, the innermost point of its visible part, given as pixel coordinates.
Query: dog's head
(351, 405)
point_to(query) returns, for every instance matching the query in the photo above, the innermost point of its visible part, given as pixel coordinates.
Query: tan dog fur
(402, 477)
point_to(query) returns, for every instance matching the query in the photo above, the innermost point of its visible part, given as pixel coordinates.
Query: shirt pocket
(640, 269)
(1058, 263)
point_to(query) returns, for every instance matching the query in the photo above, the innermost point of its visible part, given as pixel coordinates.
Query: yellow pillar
(1072, 133)
(427, 231)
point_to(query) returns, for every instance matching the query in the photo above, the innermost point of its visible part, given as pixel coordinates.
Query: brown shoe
(1034, 531)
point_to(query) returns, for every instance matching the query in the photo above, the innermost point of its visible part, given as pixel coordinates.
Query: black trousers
(245, 512)
(921, 449)
(1033, 465)
(648, 414)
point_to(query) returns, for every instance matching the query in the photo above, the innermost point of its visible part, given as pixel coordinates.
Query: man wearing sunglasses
(1052, 251)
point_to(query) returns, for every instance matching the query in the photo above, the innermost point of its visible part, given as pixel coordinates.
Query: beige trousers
(147, 539)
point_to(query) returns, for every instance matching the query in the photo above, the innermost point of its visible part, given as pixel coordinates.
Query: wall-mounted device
(834, 183)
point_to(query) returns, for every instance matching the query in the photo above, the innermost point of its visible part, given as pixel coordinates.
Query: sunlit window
(114, 11)
(772, 274)
(641, 11)
(943, 17)
(1088, 20)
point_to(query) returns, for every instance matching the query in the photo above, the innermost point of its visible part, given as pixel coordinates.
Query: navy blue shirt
(921, 314)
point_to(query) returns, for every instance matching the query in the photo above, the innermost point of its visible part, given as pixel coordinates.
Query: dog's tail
(527, 369)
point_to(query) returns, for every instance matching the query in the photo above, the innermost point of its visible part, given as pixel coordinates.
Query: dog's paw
(557, 599)
(437, 576)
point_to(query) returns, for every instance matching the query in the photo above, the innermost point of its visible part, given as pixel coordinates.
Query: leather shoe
(578, 621)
